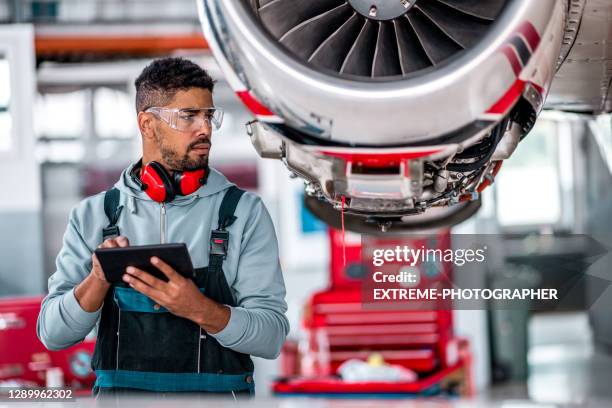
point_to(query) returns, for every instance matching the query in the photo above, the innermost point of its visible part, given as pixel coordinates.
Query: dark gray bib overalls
(142, 346)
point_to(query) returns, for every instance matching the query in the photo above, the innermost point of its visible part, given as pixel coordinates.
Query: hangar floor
(566, 370)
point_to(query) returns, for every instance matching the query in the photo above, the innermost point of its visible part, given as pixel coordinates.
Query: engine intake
(401, 109)
(380, 38)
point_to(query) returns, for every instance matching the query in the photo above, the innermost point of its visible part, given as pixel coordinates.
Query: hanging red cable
(343, 232)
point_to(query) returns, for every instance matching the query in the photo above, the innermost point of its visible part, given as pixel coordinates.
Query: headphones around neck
(162, 186)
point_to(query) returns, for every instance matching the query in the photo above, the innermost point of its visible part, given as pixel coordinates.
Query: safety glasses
(189, 120)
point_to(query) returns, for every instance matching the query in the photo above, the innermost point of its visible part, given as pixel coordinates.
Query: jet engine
(397, 112)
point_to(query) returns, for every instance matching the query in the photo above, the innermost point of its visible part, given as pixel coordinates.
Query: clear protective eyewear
(189, 120)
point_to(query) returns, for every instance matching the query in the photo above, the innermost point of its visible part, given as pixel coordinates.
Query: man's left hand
(179, 295)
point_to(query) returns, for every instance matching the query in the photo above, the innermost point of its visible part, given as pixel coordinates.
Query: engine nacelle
(399, 110)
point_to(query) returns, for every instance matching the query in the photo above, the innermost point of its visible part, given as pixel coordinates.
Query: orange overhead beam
(53, 44)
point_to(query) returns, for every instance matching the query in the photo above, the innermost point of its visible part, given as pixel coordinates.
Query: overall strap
(219, 238)
(112, 209)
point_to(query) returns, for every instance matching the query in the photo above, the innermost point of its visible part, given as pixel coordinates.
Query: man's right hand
(96, 270)
(91, 292)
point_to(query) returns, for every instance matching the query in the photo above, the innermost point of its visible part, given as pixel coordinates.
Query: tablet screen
(114, 261)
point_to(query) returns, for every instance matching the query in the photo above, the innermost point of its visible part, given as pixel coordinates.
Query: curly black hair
(163, 78)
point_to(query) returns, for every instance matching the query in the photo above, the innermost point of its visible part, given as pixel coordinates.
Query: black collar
(135, 174)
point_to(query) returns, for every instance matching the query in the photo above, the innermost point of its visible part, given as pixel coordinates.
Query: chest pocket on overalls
(146, 329)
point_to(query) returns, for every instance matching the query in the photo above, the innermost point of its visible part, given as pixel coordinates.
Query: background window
(61, 115)
(528, 186)
(5, 98)
(114, 114)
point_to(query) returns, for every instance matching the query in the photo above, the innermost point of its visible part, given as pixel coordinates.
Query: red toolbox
(337, 327)
(25, 360)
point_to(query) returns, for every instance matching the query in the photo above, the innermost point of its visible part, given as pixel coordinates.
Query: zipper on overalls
(118, 331)
(202, 336)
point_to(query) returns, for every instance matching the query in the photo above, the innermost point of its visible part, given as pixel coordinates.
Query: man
(188, 335)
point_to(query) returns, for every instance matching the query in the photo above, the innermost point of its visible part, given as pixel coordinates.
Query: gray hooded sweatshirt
(257, 325)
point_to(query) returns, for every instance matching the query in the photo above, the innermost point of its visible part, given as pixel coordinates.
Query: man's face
(185, 151)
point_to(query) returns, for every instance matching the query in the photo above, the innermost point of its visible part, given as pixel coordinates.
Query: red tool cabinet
(25, 360)
(338, 327)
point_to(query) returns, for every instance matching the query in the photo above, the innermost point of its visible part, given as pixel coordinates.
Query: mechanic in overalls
(184, 335)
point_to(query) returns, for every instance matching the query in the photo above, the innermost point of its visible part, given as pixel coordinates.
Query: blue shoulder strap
(112, 209)
(219, 238)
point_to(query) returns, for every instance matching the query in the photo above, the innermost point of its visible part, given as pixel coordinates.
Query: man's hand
(96, 270)
(179, 295)
(91, 292)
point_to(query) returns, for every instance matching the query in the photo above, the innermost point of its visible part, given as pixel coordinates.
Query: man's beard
(179, 162)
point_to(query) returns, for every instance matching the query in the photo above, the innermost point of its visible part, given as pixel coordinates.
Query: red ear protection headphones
(163, 187)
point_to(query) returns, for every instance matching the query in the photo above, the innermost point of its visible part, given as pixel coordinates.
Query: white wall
(19, 176)
(21, 248)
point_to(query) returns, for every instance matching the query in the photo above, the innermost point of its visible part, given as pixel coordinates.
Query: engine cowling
(399, 110)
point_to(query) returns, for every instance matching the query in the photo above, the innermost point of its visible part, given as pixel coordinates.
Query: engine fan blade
(360, 57)
(485, 9)
(280, 16)
(462, 28)
(332, 52)
(332, 34)
(411, 55)
(254, 5)
(434, 41)
(386, 56)
(305, 38)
